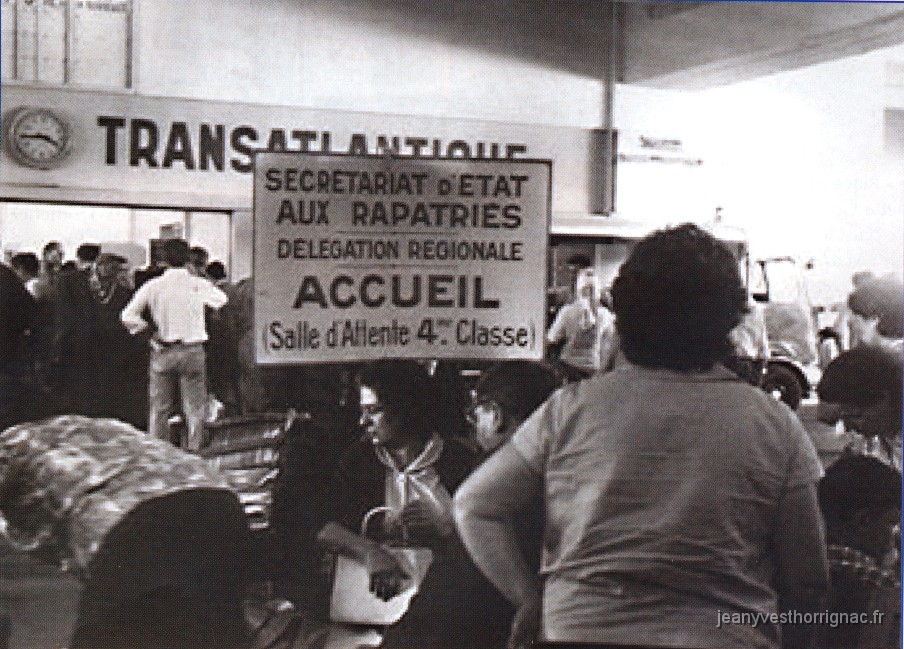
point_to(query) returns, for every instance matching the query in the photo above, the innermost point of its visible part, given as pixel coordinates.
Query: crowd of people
(68, 350)
(74, 354)
(653, 498)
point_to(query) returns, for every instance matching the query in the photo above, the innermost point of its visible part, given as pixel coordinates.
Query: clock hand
(40, 136)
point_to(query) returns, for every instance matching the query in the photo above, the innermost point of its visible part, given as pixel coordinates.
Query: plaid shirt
(859, 585)
(863, 567)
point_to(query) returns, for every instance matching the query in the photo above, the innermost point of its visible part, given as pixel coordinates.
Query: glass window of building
(67, 42)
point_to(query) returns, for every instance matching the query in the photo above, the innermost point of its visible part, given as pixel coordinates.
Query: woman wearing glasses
(407, 470)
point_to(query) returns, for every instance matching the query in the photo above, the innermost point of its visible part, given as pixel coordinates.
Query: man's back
(176, 301)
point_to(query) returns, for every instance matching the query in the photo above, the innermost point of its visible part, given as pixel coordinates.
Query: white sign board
(359, 258)
(132, 149)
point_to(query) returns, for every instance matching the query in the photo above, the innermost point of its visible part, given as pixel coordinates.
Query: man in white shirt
(176, 302)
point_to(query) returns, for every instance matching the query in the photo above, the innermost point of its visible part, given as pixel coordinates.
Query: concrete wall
(809, 173)
(357, 56)
(800, 160)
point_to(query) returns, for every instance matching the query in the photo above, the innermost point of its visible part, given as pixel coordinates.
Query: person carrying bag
(364, 577)
(408, 473)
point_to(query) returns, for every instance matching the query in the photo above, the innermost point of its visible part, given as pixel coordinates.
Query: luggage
(252, 452)
(352, 602)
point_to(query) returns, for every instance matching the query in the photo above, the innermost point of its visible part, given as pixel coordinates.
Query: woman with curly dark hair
(675, 299)
(679, 499)
(405, 469)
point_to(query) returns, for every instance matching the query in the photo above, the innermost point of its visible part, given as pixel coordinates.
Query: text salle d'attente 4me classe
(497, 208)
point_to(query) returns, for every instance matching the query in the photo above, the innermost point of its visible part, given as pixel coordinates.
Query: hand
(386, 575)
(422, 520)
(526, 624)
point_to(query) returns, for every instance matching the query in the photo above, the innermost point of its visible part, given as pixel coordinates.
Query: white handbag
(351, 600)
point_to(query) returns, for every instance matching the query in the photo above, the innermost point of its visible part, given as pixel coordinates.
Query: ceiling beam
(751, 40)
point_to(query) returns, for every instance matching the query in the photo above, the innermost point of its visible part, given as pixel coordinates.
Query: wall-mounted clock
(37, 137)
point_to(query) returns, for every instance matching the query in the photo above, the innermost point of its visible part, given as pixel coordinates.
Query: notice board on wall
(365, 257)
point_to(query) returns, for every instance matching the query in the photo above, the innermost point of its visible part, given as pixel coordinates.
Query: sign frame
(409, 313)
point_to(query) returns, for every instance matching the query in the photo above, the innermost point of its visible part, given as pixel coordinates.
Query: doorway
(126, 231)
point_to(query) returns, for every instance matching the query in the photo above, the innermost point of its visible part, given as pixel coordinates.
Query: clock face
(38, 138)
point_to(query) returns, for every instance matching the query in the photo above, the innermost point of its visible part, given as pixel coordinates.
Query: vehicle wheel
(783, 385)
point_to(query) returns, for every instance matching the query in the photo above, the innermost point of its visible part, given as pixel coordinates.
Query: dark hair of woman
(855, 486)
(880, 298)
(519, 387)
(403, 389)
(676, 298)
(862, 376)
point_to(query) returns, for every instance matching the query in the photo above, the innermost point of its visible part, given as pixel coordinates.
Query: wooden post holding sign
(359, 258)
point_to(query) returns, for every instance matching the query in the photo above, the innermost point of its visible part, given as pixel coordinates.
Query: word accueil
(374, 291)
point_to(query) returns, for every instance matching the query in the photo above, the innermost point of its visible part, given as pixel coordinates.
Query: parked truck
(779, 284)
